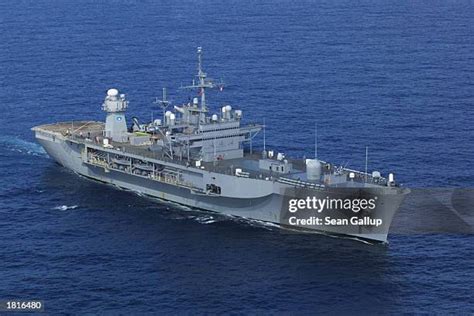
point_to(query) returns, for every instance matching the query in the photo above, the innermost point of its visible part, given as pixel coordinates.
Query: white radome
(112, 92)
(313, 169)
(376, 174)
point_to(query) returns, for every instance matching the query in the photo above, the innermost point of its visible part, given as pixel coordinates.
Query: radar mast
(203, 83)
(163, 103)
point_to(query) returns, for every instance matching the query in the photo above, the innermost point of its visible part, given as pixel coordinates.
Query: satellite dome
(112, 92)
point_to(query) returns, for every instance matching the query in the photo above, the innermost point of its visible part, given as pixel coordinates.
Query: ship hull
(267, 208)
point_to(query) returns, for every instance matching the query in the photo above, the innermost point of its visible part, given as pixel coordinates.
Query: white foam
(19, 145)
(205, 219)
(65, 207)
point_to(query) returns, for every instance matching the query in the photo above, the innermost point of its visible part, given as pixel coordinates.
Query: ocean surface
(397, 76)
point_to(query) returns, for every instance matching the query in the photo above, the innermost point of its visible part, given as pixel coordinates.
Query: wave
(256, 223)
(206, 219)
(65, 207)
(16, 144)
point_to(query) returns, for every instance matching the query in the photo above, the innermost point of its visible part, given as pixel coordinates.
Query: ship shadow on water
(436, 211)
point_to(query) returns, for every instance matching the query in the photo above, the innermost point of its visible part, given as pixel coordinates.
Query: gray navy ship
(207, 160)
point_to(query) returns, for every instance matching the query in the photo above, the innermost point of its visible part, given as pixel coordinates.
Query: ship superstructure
(208, 161)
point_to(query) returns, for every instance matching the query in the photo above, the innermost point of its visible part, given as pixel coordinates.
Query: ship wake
(65, 207)
(18, 145)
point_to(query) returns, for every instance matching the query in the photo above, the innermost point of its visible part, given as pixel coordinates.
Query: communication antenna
(315, 140)
(203, 82)
(214, 160)
(366, 161)
(264, 136)
(163, 103)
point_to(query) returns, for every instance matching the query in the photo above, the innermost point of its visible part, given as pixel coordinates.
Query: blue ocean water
(397, 76)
